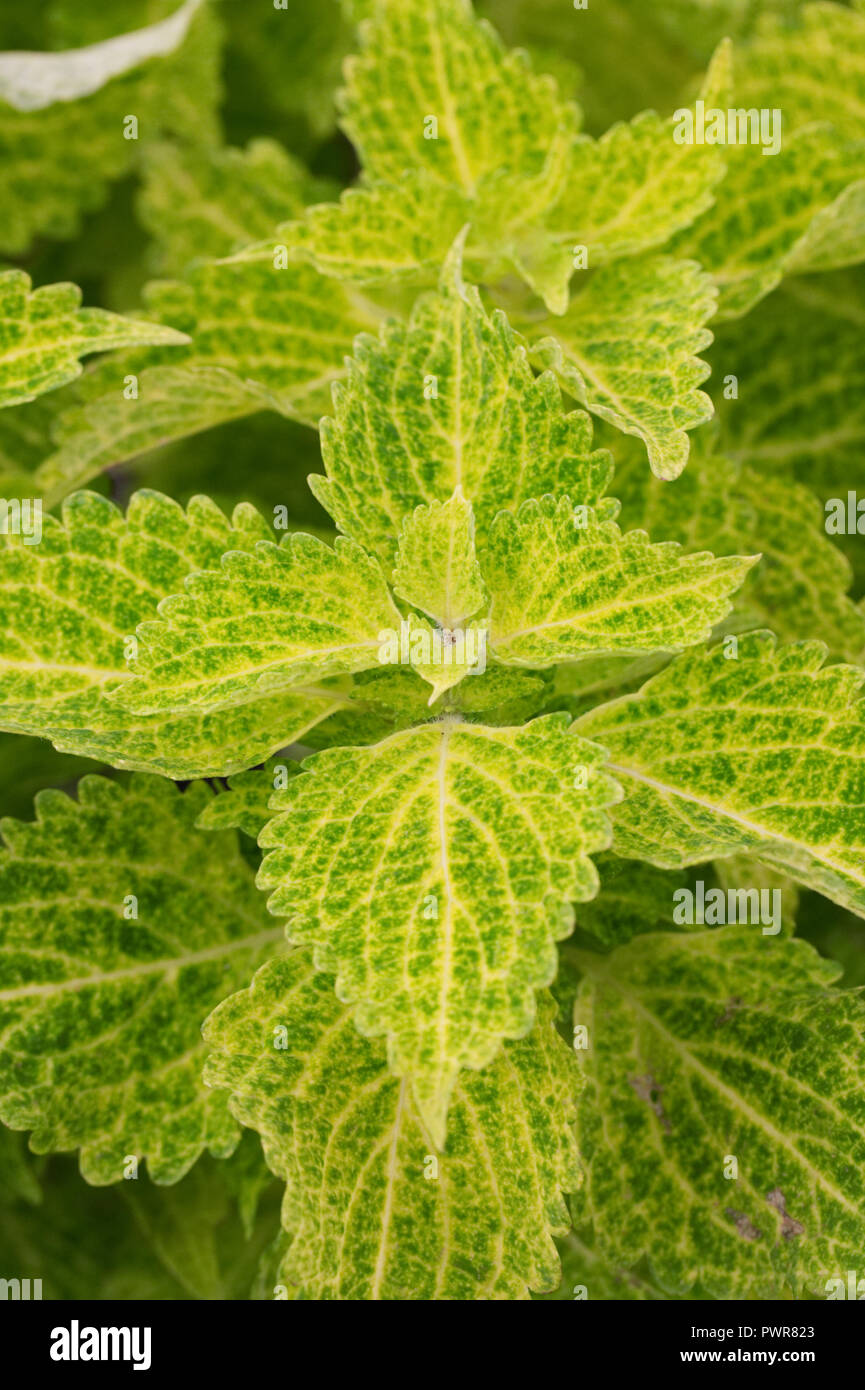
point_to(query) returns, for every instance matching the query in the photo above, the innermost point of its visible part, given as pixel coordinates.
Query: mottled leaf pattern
(801, 580)
(807, 212)
(433, 873)
(72, 605)
(627, 350)
(44, 332)
(120, 926)
(564, 583)
(372, 1212)
(710, 1047)
(448, 401)
(437, 569)
(758, 748)
(264, 621)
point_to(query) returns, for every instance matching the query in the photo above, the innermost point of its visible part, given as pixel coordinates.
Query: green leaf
(800, 413)
(245, 804)
(633, 898)
(373, 1214)
(47, 193)
(714, 1046)
(265, 338)
(626, 350)
(812, 66)
(631, 190)
(169, 403)
(466, 132)
(758, 749)
(120, 928)
(268, 320)
(795, 211)
(800, 583)
(441, 657)
(384, 232)
(44, 332)
(434, 873)
(459, 131)
(201, 203)
(423, 58)
(587, 1275)
(448, 400)
(266, 620)
(564, 583)
(436, 568)
(137, 1240)
(71, 607)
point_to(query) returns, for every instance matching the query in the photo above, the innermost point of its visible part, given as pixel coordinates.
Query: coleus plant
(452, 759)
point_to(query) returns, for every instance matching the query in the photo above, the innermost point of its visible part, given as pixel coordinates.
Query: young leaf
(436, 568)
(448, 400)
(748, 748)
(44, 332)
(119, 928)
(71, 607)
(565, 583)
(266, 620)
(626, 349)
(434, 873)
(372, 1213)
(441, 657)
(451, 111)
(467, 132)
(721, 1128)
